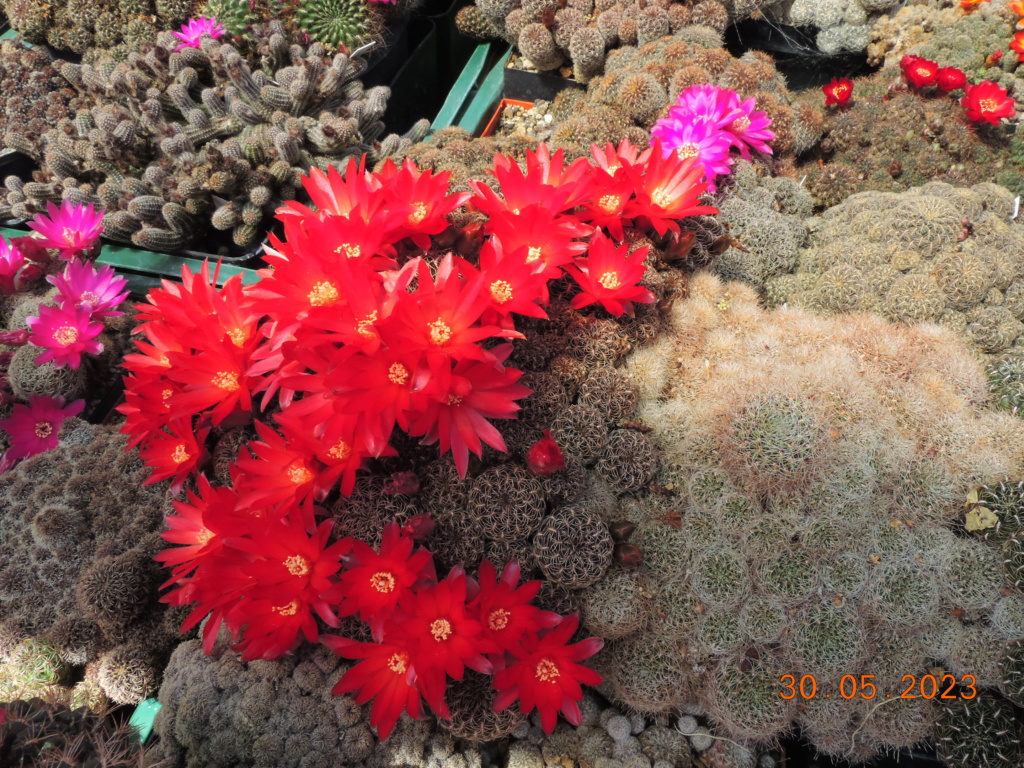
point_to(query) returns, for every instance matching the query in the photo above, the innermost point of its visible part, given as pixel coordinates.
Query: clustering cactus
(78, 583)
(640, 82)
(173, 141)
(936, 253)
(810, 520)
(580, 33)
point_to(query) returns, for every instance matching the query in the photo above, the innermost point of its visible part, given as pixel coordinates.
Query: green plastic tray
(476, 91)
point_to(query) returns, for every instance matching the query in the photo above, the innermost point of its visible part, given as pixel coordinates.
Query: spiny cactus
(162, 143)
(348, 23)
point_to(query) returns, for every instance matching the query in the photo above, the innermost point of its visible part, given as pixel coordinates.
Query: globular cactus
(982, 731)
(537, 44)
(349, 23)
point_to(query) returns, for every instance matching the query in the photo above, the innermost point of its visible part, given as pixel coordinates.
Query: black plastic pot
(796, 53)
(535, 86)
(453, 48)
(415, 90)
(384, 61)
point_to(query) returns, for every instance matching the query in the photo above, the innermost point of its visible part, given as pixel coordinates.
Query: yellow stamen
(238, 336)
(662, 198)
(501, 291)
(498, 619)
(65, 335)
(383, 582)
(609, 280)
(419, 213)
(609, 203)
(298, 474)
(454, 400)
(225, 380)
(440, 629)
(179, 455)
(323, 293)
(690, 149)
(532, 253)
(363, 326)
(350, 250)
(340, 450)
(297, 565)
(287, 610)
(399, 663)
(439, 332)
(547, 670)
(988, 105)
(398, 374)
(43, 429)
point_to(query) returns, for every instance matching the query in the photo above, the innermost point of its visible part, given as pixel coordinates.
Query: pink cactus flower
(82, 285)
(34, 428)
(750, 129)
(11, 262)
(72, 229)
(66, 333)
(696, 138)
(192, 32)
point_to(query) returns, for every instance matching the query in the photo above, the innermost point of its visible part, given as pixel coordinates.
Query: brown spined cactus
(573, 547)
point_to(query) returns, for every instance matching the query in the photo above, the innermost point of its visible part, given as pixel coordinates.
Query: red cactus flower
(546, 675)
(838, 92)
(174, 453)
(610, 275)
(545, 457)
(666, 189)
(385, 675)
(373, 584)
(950, 79)
(987, 102)
(504, 609)
(446, 638)
(1017, 44)
(918, 71)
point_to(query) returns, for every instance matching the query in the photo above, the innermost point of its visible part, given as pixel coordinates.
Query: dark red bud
(16, 338)
(628, 554)
(419, 527)
(403, 483)
(621, 530)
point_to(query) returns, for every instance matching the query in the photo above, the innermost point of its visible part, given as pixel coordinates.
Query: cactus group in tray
(172, 141)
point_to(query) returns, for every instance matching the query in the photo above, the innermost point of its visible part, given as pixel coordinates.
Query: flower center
(398, 374)
(350, 250)
(988, 105)
(441, 629)
(609, 280)
(399, 662)
(179, 455)
(203, 536)
(165, 395)
(383, 582)
(340, 450)
(741, 123)
(839, 90)
(90, 297)
(298, 474)
(689, 149)
(532, 253)
(297, 565)
(237, 336)
(439, 332)
(454, 400)
(609, 203)
(43, 429)
(498, 619)
(287, 610)
(69, 235)
(924, 71)
(547, 670)
(226, 380)
(363, 326)
(65, 335)
(323, 293)
(501, 291)
(661, 198)
(419, 213)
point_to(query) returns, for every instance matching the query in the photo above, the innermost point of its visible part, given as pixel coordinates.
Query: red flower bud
(627, 554)
(419, 527)
(403, 483)
(950, 78)
(16, 338)
(544, 456)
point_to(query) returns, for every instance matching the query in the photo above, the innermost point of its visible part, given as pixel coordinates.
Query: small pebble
(702, 740)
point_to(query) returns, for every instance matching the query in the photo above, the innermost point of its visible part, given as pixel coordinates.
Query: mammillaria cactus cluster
(175, 140)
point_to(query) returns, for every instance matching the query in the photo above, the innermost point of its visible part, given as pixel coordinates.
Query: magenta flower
(192, 32)
(71, 229)
(82, 285)
(34, 428)
(707, 103)
(750, 129)
(696, 138)
(66, 332)
(11, 261)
